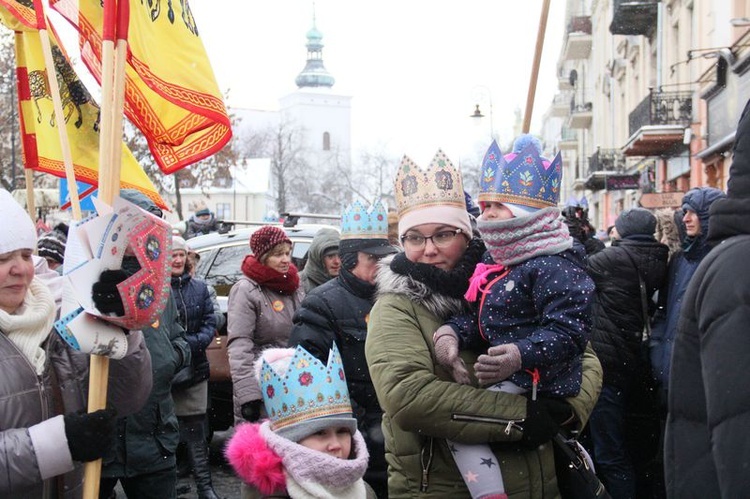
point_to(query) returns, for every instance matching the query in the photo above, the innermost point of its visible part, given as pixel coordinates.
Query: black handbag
(575, 477)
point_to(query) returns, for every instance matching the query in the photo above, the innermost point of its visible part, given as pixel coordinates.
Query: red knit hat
(265, 238)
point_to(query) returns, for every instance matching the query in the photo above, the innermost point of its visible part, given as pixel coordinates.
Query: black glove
(104, 292)
(544, 417)
(251, 410)
(90, 435)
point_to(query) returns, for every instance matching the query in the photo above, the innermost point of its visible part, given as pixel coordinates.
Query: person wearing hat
(336, 313)
(45, 433)
(259, 314)
(418, 290)
(323, 260)
(195, 313)
(707, 446)
(532, 292)
(144, 456)
(51, 246)
(626, 274)
(202, 222)
(310, 446)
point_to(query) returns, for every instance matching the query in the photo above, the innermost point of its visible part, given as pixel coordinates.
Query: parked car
(221, 256)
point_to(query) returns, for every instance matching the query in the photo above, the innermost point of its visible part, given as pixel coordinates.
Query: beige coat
(257, 318)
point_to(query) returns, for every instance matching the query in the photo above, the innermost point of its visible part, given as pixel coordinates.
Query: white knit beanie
(18, 228)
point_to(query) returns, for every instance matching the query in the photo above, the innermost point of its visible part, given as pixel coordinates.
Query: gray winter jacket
(34, 455)
(257, 318)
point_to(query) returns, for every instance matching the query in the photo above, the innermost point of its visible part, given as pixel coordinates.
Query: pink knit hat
(265, 238)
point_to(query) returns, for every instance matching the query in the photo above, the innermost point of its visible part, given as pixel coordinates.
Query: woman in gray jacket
(44, 437)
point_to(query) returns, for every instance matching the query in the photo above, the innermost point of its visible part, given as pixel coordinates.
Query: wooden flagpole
(30, 202)
(535, 66)
(109, 184)
(54, 90)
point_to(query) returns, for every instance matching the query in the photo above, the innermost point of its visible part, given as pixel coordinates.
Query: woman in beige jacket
(259, 314)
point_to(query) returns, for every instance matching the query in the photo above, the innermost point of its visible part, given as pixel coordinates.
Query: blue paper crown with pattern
(525, 178)
(360, 222)
(308, 390)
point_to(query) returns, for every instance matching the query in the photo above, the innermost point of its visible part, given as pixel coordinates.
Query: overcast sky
(414, 69)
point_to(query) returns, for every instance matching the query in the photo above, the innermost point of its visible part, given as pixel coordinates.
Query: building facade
(649, 97)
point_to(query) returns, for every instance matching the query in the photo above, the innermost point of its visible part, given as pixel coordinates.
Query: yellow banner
(171, 93)
(41, 141)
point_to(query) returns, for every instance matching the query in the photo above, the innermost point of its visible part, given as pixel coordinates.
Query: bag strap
(644, 298)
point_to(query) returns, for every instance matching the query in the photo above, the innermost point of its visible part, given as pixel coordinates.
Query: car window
(225, 269)
(299, 253)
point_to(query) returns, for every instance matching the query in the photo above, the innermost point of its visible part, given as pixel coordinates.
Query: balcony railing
(633, 17)
(606, 160)
(662, 108)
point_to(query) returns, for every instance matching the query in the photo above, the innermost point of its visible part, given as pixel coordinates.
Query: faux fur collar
(442, 306)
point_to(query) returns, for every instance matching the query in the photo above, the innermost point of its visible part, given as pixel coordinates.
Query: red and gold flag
(171, 93)
(41, 142)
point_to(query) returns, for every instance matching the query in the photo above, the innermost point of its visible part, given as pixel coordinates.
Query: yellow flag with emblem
(171, 94)
(40, 139)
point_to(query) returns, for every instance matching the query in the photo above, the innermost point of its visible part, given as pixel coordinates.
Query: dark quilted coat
(618, 311)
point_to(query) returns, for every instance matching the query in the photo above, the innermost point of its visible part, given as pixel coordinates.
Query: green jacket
(423, 406)
(147, 440)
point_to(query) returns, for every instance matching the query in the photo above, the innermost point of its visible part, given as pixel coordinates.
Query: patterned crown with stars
(527, 179)
(361, 222)
(439, 185)
(308, 390)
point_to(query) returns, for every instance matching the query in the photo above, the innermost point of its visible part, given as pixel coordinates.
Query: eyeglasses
(440, 239)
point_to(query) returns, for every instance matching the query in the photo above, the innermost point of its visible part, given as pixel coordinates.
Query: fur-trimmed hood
(389, 282)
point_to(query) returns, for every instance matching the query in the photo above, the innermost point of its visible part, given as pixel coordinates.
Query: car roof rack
(291, 219)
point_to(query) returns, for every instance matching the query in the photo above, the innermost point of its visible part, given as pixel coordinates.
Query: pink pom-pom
(253, 461)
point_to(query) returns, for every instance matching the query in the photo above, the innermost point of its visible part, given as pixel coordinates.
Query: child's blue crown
(527, 179)
(308, 390)
(360, 222)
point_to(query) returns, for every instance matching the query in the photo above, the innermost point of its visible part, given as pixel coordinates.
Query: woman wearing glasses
(418, 291)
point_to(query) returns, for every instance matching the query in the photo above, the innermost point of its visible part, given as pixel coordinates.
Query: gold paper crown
(438, 185)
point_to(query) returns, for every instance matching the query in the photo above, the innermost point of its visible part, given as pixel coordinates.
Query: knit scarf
(31, 323)
(516, 240)
(311, 474)
(266, 277)
(453, 283)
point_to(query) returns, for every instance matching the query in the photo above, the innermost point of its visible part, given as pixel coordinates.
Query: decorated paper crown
(144, 294)
(359, 222)
(439, 185)
(307, 392)
(525, 178)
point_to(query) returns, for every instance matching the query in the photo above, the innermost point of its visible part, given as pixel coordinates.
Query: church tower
(322, 115)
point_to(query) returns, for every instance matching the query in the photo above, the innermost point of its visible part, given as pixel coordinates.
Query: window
(223, 211)
(326, 141)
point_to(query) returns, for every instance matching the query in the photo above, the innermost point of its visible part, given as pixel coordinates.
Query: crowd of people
(434, 350)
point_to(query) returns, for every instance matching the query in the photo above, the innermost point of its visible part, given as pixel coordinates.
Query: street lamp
(477, 114)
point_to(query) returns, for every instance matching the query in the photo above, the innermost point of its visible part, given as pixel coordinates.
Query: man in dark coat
(707, 444)
(695, 209)
(337, 312)
(144, 456)
(626, 275)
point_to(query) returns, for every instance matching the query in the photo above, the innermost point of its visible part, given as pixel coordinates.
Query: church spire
(314, 74)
